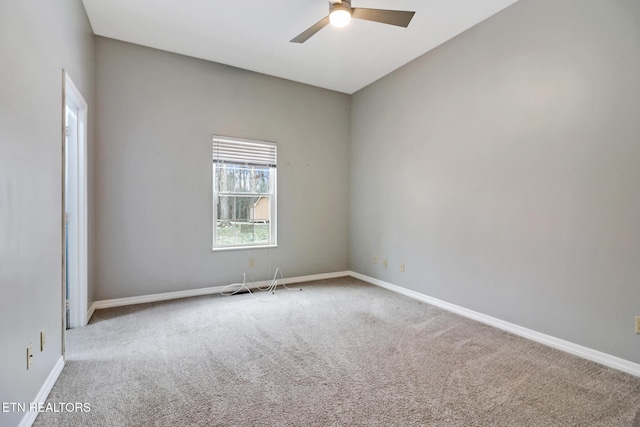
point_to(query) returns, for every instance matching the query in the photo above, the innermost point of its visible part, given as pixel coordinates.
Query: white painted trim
(73, 97)
(548, 340)
(90, 312)
(239, 248)
(165, 296)
(119, 302)
(314, 277)
(30, 416)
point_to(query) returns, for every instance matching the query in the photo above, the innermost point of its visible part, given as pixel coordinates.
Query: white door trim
(78, 246)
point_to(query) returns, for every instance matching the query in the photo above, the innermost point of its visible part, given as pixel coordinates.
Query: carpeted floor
(341, 352)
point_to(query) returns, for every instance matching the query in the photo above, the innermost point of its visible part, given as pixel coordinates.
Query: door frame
(78, 248)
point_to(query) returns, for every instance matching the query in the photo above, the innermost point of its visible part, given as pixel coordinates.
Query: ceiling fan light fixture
(341, 12)
(340, 16)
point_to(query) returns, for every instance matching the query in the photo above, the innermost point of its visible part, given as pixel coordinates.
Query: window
(244, 193)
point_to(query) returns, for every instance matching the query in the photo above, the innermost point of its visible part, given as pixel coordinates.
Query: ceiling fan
(341, 12)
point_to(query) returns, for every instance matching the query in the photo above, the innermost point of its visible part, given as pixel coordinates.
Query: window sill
(237, 248)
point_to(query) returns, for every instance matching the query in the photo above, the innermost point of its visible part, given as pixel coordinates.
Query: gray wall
(157, 112)
(37, 40)
(503, 169)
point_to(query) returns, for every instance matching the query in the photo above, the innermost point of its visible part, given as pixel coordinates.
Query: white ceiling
(255, 34)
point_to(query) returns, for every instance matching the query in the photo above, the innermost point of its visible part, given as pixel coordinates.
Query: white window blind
(243, 152)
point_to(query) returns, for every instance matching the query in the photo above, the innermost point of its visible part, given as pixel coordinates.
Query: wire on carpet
(244, 286)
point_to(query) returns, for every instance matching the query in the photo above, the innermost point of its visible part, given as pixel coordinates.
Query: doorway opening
(75, 206)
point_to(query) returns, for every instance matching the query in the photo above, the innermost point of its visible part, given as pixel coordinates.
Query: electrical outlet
(375, 259)
(43, 339)
(29, 356)
(637, 324)
(402, 268)
(252, 262)
(384, 263)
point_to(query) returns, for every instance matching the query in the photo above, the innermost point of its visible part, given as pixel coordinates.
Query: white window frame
(234, 149)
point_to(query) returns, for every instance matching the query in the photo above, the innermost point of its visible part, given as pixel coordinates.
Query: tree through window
(244, 193)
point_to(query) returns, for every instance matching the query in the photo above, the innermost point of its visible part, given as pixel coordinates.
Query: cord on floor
(271, 288)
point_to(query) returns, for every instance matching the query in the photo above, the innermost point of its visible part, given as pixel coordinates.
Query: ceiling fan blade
(392, 17)
(306, 34)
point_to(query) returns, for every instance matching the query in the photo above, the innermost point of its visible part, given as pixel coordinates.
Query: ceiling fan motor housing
(343, 5)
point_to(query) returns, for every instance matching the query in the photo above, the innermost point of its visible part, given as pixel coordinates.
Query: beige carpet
(340, 352)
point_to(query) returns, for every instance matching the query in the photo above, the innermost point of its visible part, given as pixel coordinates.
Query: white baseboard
(557, 343)
(165, 296)
(90, 312)
(314, 277)
(41, 397)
